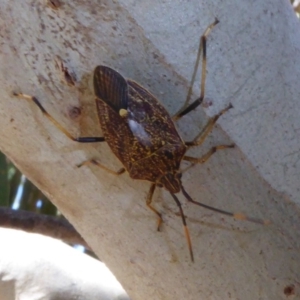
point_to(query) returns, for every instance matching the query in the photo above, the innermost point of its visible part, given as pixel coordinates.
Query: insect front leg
(57, 124)
(148, 202)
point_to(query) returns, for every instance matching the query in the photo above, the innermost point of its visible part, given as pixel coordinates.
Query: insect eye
(169, 155)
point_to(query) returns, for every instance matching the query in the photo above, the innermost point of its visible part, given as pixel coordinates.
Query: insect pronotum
(142, 134)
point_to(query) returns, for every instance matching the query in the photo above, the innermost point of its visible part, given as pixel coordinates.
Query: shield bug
(142, 135)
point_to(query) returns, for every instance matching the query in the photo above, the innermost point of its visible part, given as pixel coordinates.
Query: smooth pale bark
(253, 59)
(36, 267)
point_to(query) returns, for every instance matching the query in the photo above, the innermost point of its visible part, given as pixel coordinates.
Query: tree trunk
(49, 49)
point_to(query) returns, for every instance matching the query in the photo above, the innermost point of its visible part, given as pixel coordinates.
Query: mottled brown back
(145, 139)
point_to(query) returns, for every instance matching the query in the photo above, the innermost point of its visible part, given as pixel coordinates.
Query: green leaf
(4, 186)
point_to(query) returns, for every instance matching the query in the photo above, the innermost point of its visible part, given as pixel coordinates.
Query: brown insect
(142, 135)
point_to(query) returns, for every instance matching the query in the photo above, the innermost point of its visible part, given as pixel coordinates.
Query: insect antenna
(186, 229)
(237, 216)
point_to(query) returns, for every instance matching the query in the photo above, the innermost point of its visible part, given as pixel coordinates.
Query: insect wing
(144, 128)
(111, 87)
(160, 146)
(148, 118)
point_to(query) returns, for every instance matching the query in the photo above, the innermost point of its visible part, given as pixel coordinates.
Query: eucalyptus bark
(253, 59)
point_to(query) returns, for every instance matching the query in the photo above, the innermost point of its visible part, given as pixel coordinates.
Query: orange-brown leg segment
(98, 164)
(205, 157)
(202, 49)
(200, 138)
(57, 124)
(186, 229)
(148, 202)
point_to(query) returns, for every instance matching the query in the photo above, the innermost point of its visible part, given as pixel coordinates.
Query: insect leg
(199, 139)
(98, 164)
(237, 216)
(202, 48)
(148, 202)
(58, 125)
(186, 229)
(205, 157)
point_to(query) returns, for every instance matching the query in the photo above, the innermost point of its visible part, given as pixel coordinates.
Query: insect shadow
(142, 134)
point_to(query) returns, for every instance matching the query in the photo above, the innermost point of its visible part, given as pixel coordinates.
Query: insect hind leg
(202, 49)
(57, 124)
